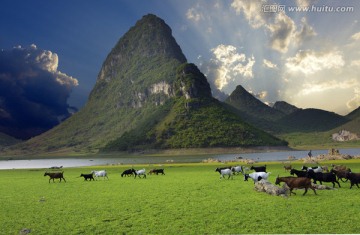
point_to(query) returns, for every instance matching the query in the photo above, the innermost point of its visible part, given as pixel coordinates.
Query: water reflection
(72, 162)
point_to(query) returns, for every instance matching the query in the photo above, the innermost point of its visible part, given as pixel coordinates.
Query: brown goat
(55, 175)
(296, 182)
(287, 167)
(341, 174)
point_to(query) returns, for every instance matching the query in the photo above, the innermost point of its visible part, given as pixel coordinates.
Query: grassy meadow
(189, 199)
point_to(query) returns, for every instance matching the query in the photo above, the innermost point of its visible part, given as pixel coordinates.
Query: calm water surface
(73, 162)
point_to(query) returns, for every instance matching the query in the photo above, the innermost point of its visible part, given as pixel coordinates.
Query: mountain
(194, 119)
(309, 120)
(284, 107)
(282, 117)
(7, 140)
(252, 110)
(146, 95)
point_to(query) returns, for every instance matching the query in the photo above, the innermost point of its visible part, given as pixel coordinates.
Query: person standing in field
(309, 154)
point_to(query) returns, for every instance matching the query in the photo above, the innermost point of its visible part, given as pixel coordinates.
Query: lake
(75, 162)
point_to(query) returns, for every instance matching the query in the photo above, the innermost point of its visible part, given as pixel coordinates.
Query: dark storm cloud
(33, 93)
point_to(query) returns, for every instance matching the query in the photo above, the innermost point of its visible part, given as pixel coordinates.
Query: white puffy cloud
(354, 102)
(194, 14)
(252, 11)
(309, 62)
(230, 65)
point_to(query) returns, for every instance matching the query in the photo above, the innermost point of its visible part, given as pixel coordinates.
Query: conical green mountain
(193, 118)
(142, 96)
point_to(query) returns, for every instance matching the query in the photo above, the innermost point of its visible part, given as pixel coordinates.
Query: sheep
(98, 174)
(323, 177)
(257, 176)
(224, 172)
(258, 168)
(296, 182)
(354, 178)
(87, 176)
(55, 175)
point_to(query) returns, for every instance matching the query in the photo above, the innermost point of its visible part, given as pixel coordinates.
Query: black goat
(258, 168)
(298, 173)
(354, 178)
(323, 177)
(87, 177)
(128, 172)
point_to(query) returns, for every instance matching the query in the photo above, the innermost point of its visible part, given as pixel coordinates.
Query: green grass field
(189, 199)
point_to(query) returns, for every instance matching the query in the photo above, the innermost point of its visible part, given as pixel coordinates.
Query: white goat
(223, 172)
(140, 172)
(98, 174)
(257, 176)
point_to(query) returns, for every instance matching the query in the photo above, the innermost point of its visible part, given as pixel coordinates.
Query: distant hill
(284, 107)
(7, 140)
(147, 96)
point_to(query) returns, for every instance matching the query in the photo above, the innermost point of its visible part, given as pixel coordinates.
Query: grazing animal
(224, 172)
(287, 167)
(139, 173)
(340, 168)
(341, 174)
(128, 172)
(325, 168)
(237, 170)
(296, 182)
(314, 168)
(55, 175)
(257, 176)
(323, 177)
(298, 173)
(258, 168)
(156, 171)
(98, 174)
(354, 178)
(87, 177)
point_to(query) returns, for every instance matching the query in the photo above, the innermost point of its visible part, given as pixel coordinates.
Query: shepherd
(309, 154)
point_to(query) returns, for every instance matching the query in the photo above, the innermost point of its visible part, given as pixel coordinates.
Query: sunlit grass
(189, 199)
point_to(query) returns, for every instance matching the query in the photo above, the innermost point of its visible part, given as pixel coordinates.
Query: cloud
(356, 36)
(269, 64)
(227, 65)
(354, 102)
(309, 62)
(33, 93)
(282, 29)
(194, 14)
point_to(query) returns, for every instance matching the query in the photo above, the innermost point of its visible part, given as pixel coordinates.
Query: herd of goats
(299, 179)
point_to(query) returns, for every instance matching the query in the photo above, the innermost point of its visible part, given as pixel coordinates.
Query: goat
(98, 174)
(56, 167)
(223, 172)
(128, 172)
(354, 178)
(87, 176)
(314, 168)
(287, 167)
(237, 169)
(156, 171)
(258, 168)
(296, 182)
(340, 167)
(55, 175)
(323, 177)
(257, 176)
(298, 173)
(140, 172)
(340, 174)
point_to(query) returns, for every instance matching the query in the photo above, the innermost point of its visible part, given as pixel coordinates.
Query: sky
(304, 52)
